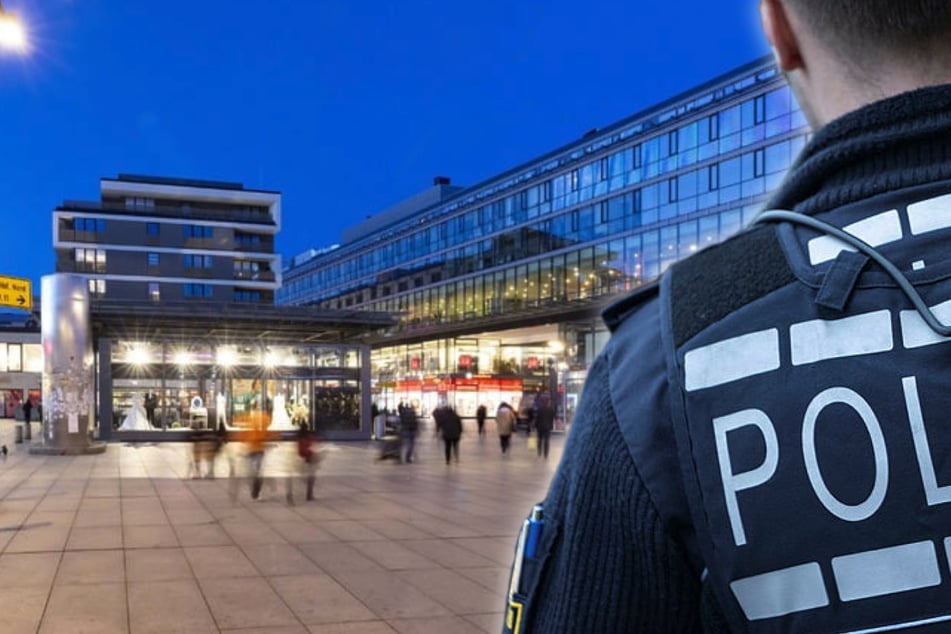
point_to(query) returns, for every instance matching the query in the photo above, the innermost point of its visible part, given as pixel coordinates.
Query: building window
(713, 122)
(246, 269)
(759, 109)
(672, 190)
(247, 296)
(575, 180)
(153, 259)
(636, 203)
(97, 287)
(247, 239)
(192, 261)
(759, 162)
(152, 229)
(545, 192)
(14, 357)
(672, 142)
(197, 231)
(90, 225)
(638, 153)
(90, 260)
(139, 203)
(713, 177)
(603, 172)
(197, 290)
(154, 294)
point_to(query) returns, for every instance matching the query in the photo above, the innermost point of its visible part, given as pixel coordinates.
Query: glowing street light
(12, 34)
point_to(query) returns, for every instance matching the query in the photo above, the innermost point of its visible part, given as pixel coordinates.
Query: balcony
(255, 276)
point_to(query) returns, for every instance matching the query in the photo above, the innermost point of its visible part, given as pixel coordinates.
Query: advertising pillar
(68, 380)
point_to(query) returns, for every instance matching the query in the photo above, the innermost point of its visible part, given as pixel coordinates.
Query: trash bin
(18, 434)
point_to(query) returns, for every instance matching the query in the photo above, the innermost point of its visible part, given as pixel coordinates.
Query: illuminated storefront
(184, 368)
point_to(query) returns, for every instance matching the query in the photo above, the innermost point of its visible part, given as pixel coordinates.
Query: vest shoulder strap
(715, 282)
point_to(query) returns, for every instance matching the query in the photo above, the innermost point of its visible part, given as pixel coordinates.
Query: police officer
(762, 446)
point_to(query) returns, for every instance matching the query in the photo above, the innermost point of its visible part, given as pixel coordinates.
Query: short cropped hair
(862, 26)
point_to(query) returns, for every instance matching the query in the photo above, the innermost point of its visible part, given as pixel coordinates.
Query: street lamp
(12, 34)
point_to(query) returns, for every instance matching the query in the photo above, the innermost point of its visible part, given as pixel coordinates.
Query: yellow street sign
(16, 292)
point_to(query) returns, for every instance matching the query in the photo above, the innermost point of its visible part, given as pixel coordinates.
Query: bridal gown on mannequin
(279, 418)
(135, 417)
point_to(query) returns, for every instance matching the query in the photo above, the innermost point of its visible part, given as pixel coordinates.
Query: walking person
(409, 426)
(27, 409)
(505, 425)
(480, 419)
(309, 457)
(450, 425)
(544, 422)
(256, 439)
(150, 402)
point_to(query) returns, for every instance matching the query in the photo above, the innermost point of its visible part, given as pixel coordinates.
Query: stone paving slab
(126, 542)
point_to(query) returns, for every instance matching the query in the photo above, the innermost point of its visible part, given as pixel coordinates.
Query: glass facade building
(563, 233)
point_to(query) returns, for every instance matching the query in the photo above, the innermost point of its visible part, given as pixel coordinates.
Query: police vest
(812, 409)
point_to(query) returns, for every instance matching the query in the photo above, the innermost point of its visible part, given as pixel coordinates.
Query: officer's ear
(779, 32)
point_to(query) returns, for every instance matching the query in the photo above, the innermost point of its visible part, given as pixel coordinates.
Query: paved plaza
(125, 542)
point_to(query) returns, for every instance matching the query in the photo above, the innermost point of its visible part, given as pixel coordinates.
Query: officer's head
(842, 54)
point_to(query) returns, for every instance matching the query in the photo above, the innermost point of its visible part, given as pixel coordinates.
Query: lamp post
(12, 34)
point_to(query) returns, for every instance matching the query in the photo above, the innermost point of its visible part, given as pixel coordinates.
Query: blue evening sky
(345, 106)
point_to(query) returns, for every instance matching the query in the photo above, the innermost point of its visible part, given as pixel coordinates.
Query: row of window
(611, 266)
(97, 287)
(726, 183)
(690, 190)
(154, 230)
(95, 260)
(748, 123)
(753, 81)
(21, 357)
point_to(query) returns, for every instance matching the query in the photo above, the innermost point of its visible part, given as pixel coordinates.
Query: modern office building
(166, 239)
(498, 286)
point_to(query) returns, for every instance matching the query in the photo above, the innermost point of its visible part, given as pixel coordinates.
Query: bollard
(19, 433)
(28, 431)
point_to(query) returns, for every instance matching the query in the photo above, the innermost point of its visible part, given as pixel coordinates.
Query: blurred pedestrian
(256, 439)
(480, 419)
(409, 426)
(308, 459)
(505, 425)
(544, 422)
(450, 426)
(27, 409)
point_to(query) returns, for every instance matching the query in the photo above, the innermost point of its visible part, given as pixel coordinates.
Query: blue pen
(535, 525)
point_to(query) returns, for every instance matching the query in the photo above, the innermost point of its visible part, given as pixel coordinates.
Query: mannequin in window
(279, 418)
(135, 417)
(221, 410)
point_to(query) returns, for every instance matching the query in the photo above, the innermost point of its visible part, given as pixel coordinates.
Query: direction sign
(16, 292)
